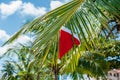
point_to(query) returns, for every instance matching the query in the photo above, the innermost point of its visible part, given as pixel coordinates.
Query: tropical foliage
(89, 20)
(8, 71)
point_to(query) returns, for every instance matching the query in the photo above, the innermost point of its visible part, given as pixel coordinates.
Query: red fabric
(66, 42)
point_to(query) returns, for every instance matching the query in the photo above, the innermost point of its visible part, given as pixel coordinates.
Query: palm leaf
(83, 17)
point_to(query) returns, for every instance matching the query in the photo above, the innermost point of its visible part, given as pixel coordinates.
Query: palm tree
(22, 67)
(111, 50)
(87, 18)
(8, 71)
(92, 63)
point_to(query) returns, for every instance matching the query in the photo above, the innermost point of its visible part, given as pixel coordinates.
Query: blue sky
(15, 13)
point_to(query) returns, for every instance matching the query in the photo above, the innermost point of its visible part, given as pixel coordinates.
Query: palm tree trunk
(56, 77)
(38, 76)
(56, 72)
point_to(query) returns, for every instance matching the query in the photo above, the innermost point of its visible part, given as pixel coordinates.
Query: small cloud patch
(55, 4)
(24, 8)
(4, 36)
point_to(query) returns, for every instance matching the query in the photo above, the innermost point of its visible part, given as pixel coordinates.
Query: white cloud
(9, 9)
(4, 36)
(22, 7)
(55, 4)
(30, 9)
(23, 39)
(4, 49)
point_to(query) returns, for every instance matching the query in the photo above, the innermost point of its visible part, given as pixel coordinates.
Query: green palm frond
(87, 19)
(84, 18)
(88, 63)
